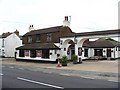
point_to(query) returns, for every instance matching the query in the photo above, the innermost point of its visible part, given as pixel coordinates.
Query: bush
(64, 60)
(74, 58)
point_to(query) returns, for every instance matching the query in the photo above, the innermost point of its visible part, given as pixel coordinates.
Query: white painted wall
(2, 49)
(90, 52)
(54, 54)
(12, 42)
(0, 46)
(104, 51)
(117, 53)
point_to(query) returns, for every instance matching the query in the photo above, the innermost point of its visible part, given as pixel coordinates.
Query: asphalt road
(18, 77)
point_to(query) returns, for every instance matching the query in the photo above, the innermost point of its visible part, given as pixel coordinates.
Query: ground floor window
(21, 53)
(26, 52)
(45, 53)
(98, 52)
(32, 53)
(118, 48)
(85, 52)
(38, 53)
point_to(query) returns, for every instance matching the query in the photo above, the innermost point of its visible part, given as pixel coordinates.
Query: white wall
(54, 54)
(0, 46)
(117, 53)
(90, 52)
(11, 42)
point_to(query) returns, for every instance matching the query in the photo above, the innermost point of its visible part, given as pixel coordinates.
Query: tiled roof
(103, 32)
(4, 35)
(39, 46)
(46, 30)
(102, 43)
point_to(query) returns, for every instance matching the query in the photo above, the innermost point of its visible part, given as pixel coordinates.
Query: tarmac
(100, 69)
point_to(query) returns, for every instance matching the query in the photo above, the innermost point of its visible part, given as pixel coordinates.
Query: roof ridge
(49, 27)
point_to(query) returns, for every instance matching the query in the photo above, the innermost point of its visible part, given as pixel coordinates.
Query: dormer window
(29, 39)
(49, 36)
(38, 38)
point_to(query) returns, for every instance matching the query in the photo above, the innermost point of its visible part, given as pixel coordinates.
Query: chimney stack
(31, 28)
(17, 32)
(66, 18)
(66, 22)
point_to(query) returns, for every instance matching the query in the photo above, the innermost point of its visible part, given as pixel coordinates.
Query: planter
(74, 62)
(64, 60)
(74, 58)
(64, 64)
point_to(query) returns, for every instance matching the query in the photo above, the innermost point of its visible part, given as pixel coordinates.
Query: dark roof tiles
(4, 35)
(39, 46)
(46, 30)
(103, 32)
(102, 43)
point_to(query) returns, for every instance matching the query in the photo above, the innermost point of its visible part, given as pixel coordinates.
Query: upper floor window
(49, 36)
(38, 38)
(3, 43)
(29, 39)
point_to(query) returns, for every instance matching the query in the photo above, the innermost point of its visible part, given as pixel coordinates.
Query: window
(3, 52)
(49, 36)
(21, 53)
(118, 48)
(45, 53)
(3, 41)
(26, 52)
(55, 51)
(32, 53)
(29, 39)
(38, 38)
(86, 52)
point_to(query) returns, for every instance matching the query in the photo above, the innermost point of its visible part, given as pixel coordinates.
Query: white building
(49, 43)
(8, 43)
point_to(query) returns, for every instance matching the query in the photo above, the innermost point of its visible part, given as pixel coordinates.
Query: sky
(86, 15)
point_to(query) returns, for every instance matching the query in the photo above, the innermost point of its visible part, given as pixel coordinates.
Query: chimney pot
(66, 18)
(66, 23)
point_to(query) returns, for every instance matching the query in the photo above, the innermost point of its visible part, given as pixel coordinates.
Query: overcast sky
(86, 15)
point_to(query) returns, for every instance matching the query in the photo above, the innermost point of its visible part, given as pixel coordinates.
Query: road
(18, 77)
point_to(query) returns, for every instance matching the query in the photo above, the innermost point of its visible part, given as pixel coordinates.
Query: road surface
(18, 77)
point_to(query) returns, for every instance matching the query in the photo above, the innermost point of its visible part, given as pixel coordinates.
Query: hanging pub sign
(26, 52)
(39, 53)
(80, 51)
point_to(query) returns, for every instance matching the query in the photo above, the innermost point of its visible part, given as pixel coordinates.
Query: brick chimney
(66, 23)
(17, 32)
(31, 28)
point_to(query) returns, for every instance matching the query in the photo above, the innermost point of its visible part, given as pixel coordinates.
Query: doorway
(108, 52)
(98, 52)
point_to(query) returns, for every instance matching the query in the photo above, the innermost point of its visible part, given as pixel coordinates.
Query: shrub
(74, 58)
(64, 60)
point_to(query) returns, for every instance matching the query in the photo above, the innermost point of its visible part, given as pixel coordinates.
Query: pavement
(105, 69)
